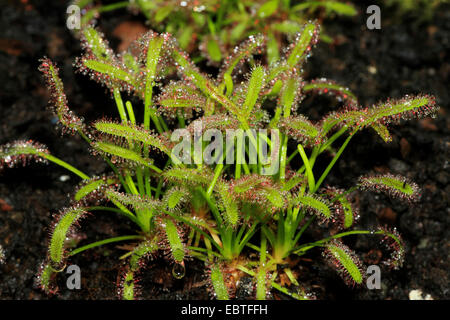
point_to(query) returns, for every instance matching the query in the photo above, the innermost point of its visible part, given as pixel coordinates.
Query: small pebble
(64, 178)
(418, 295)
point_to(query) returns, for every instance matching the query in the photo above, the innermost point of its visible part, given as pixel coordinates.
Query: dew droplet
(178, 271)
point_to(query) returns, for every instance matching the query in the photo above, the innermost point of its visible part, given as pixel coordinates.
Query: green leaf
(162, 13)
(141, 252)
(92, 185)
(174, 198)
(340, 8)
(287, 27)
(137, 201)
(382, 131)
(254, 87)
(302, 45)
(217, 280)
(346, 259)
(174, 240)
(62, 228)
(293, 182)
(124, 153)
(155, 44)
(231, 209)
(268, 9)
(21, 152)
(395, 186)
(324, 86)
(195, 177)
(109, 70)
(58, 98)
(97, 44)
(214, 50)
(299, 128)
(407, 108)
(185, 37)
(261, 282)
(46, 278)
(275, 197)
(290, 95)
(316, 204)
(273, 53)
(247, 183)
(131, 131)
(180, 95)
(128, 286)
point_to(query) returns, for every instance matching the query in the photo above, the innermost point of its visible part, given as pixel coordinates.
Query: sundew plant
(220, 168)
(214, 28)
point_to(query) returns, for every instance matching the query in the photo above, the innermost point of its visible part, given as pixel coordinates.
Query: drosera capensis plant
(244, 210)
(214, 28)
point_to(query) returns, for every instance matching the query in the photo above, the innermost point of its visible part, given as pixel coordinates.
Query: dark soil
(403, 57)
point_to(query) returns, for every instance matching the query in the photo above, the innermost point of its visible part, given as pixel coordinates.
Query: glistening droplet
(178, 271)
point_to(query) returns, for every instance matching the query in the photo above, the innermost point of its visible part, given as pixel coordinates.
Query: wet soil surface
(403, 57)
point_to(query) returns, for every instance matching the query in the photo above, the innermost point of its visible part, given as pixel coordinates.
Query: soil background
(404, 57)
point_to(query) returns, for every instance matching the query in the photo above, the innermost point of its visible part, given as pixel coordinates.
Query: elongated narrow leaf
(394, 185)
(231, 212)
(21, 152)
(58, 102)
(253, 89)
(290, 95)
(154, 46)
(176, 195)
(45, 279)
(218, 283)
(348, 116)
(65, 224)
(94, 42)
(102, 65)
(260, 191)
(393, 243)
(134, 132)
(174, 243)
(129, 288)
(194, 177)
(123, 153)
(324, 86)
(261, 284)
(317, 205)
(345, 261)
(109, 70)
(93, 188)
(382, 131)
(300, 129)
(136, 201)
(407, 108)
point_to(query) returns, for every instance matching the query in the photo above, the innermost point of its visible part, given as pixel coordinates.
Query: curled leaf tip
(395, 186)
(21, 152)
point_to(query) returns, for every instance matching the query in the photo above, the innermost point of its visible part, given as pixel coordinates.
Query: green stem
(119, 104)
(64, 164)
(333, 161)
(309, 172)
(102, 242)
